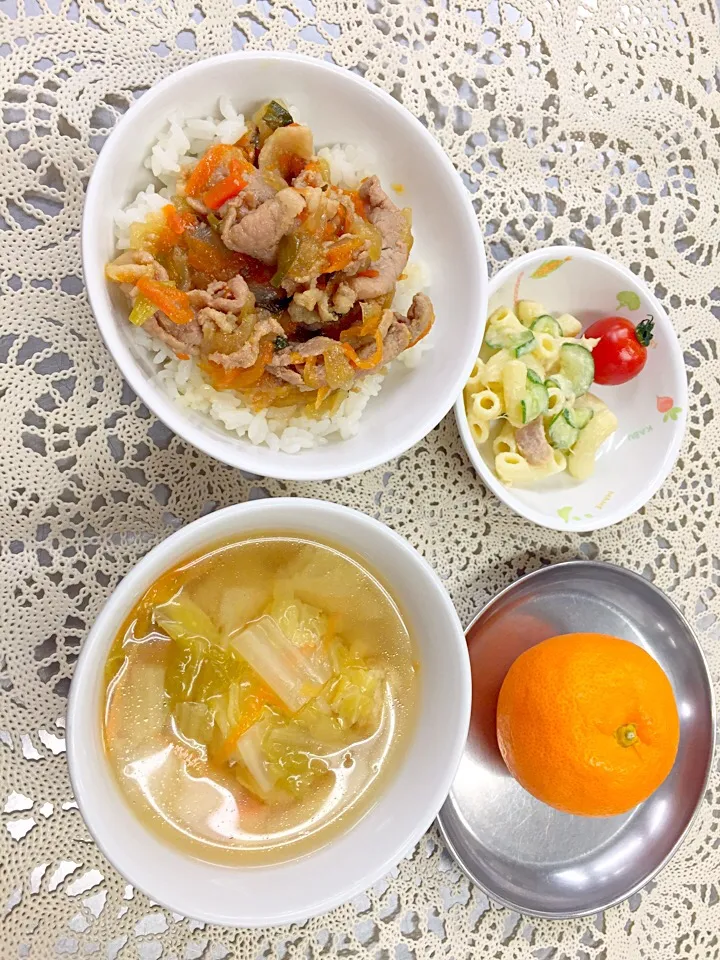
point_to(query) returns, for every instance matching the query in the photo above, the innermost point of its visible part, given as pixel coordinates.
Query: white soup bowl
(407, 804)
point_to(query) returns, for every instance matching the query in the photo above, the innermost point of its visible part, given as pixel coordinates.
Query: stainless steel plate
(520, 851)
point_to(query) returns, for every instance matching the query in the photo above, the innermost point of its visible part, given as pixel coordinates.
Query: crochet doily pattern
(591, 122)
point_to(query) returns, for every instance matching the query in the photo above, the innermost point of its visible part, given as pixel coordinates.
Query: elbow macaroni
(569, 325)
(514, 468)
(497, 399)
(581, 461)
(485, 405)
(547, 349)
(505, 441)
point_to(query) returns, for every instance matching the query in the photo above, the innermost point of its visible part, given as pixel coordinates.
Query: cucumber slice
(546, 324)
(579, 418)
(562, 434)
(577, 364)
(535, 401)
(526, 344)
(588, 401)
(562, 384)
(505, 331)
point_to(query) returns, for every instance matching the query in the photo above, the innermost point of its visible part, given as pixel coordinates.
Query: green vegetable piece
(577, 364)
(535, 401)
(561, 432)
(214, 222)
(185, 622)
(293, 758)
(194, 721)
(276, 115)
(561, 383)
(142, 310)
(280, 342)
(287, 252)
(506, 332)
(579, 418)
(526, 346)
(546, 324)
(355, 695)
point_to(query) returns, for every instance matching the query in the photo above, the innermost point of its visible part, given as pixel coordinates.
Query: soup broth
(257, 697)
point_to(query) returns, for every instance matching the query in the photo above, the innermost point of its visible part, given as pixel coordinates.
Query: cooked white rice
(282, 428)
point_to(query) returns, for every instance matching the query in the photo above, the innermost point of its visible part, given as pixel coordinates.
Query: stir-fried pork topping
(259, 232)
(273, 276)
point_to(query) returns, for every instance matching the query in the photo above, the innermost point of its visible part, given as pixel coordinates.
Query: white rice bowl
(283, 429)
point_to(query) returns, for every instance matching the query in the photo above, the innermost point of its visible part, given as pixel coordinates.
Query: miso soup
(258, 697)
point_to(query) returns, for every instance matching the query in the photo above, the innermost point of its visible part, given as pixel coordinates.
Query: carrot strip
(341, 254)
(372, 361)
(366, 329)
(358, 203)
(220, 377)
(227, 188)
(173, 219)
(260, 698)
(174, 303)
(369, 273)
(249, 717)
(245, 377)
(205, 167)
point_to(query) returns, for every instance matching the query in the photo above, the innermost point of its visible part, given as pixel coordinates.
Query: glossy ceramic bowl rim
(569, 915)
(613, 515)
(84, 778)
(173, 414)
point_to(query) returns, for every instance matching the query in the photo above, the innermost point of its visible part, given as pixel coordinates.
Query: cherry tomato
(622, 351)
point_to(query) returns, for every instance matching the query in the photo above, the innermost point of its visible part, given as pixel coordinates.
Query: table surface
(595, 123)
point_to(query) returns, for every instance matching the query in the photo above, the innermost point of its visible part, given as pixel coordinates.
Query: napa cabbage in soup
(257, 697)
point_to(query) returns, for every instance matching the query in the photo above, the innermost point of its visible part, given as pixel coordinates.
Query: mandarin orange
(587, 723)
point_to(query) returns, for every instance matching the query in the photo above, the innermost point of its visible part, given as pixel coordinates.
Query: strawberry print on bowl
(669, 411)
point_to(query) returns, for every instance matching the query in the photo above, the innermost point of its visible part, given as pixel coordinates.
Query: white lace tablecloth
(594, 122)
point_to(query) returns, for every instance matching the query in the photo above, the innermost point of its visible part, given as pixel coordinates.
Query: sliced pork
(248, 353)
(181, 338)
(258, 233)
(396, 239)
(256, 192)
(420, 317)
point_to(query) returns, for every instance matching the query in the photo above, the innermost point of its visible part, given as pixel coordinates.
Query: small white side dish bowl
(651, 409)
(340, 107)
(260, 896)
